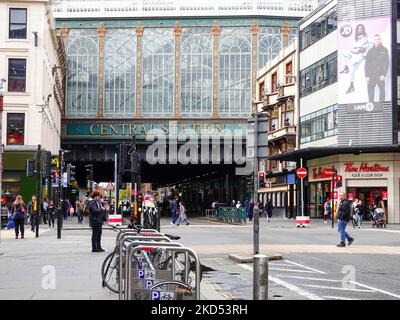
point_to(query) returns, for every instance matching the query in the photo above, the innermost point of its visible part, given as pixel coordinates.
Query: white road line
(305, 278)
(290, 270)
(289, 286)
(278, 264)
(337, 298)
(308, 268)
(375, 289)
(337, 288)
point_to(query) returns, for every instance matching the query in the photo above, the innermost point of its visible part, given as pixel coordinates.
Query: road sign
(301, 173)
(268, 184)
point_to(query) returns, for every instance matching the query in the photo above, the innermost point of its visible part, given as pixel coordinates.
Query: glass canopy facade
(167, 72)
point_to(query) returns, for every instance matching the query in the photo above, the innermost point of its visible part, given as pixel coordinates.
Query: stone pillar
(177, 32)
(102, 34)
(139, 70)
(64, 31)
(285, 36)
(254, 35)
(216, 32)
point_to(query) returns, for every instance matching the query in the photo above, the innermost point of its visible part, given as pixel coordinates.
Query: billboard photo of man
(376, 67)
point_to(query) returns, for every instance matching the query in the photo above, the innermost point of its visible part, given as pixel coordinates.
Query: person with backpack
(344, 215)
(327, 209)
(96, 221)
(19, 213)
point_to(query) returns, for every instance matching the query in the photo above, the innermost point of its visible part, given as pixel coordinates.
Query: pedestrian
(174, 209)
(251, 210)
(269, 208)
(182, 214)
(66, 208)
(96, 221)
(33, 212)
(372, 207)
(238, 205)
(344, 216)
(71, 211)
(80, 207)
(50, 213)
(19, 213)
(361, 212)
(327, 209)
(43, 214)
(233, 204)
(261, 208)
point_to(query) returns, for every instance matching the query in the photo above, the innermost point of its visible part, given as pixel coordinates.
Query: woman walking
(50, 213)
(19, 212)
(80, 206)
(182, 214)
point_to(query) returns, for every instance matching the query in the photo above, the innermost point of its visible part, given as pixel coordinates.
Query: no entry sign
(301, 173)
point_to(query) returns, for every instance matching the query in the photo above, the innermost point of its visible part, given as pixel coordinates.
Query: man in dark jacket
(96, 221)
(344, 216)
(33, 212)
(376, 67)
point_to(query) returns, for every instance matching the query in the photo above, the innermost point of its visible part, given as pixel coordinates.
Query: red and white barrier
(302, 221)
(115, 220)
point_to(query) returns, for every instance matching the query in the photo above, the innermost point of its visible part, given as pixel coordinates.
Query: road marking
(287, 285)
(308, 268)
(337, 298)
(291, 270)
(278, 264)
(305, 278)
(337, 288)
(376, 289)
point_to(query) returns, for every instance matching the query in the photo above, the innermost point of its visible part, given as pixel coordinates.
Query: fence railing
(231, 214)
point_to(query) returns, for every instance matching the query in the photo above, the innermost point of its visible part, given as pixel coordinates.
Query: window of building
(274, 119)
(17, 75)
(287, 113)
(289, 72)
(15, 128)
(319, 75)
(318, 29)
(270, 42)
(17, 27)
(274, 82)
(318, 125)
(261, 88)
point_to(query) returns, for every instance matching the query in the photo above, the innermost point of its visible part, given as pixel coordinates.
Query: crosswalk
(314, 284)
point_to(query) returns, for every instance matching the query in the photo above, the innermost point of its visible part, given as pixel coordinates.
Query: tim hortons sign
(365, 169)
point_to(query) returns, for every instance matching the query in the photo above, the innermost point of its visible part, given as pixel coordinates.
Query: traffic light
(47, 164)
(339, 182)
(139, 206)
(70, 173)
(135, 162)
(261, 179)
(30, 168)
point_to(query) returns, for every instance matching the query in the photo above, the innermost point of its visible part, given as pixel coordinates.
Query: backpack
(86, 208)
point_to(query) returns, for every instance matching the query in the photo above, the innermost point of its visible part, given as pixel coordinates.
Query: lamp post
(1, 122)
(60, 191)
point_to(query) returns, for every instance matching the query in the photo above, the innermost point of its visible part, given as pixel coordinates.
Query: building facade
(277, 88)
(31, 57)
(349, 104)
(168, 65)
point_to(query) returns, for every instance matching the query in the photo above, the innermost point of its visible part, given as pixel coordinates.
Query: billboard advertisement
(364, 76)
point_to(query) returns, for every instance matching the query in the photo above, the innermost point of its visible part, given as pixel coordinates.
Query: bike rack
(128, 260)
(130, 238)
(145, 231)
(174, 248)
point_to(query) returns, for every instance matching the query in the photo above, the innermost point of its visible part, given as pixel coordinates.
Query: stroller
(378, 218)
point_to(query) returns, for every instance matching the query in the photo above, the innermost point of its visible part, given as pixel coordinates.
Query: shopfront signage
(321, 173)
(366, 169)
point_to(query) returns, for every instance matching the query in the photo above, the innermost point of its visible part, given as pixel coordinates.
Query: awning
(320, 152)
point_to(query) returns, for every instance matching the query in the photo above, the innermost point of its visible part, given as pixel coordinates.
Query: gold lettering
(165, 128)
(91, 129)
(132, 129)
(220, 128)
(113, 130)
(123, 129)
(103, 130)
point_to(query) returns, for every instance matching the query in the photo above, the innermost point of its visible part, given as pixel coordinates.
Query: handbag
(10, 224)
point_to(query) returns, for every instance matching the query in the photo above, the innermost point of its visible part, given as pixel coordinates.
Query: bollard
(260, 277)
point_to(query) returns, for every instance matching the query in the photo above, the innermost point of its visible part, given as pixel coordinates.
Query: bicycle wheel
(180, 272)
(109, 272)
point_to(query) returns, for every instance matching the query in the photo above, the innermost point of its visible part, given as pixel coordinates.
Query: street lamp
(60, 191)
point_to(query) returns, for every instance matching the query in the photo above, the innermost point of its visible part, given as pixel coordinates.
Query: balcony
(287, 131)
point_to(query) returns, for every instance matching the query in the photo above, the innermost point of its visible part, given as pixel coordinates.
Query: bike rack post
(135, 233)
(137, 237)
(188, 251)
(131, 249)
(123, 231)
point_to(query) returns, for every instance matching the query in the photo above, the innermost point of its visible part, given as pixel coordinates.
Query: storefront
(367, 177)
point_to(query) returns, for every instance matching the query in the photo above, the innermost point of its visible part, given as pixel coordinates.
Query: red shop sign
(365, 167)
(384, 195)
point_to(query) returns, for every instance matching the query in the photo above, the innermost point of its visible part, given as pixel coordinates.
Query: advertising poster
(364, 77)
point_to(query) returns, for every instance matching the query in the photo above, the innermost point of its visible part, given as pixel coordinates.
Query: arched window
(158, 73)
(269, 44)
(235, 73)
(83, 61)
(196, 72)
(119, 70)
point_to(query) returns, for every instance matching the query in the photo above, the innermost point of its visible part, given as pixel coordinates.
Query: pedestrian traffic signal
(47, 164)
(339, 182)
(30, 168)
(261, 179)
(70, 173)
(135, 162)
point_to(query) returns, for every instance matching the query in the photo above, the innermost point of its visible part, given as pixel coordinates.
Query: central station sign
(141, 130)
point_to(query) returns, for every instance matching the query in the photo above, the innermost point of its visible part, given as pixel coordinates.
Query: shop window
(15, 128)
(17, 27)
(16, 75)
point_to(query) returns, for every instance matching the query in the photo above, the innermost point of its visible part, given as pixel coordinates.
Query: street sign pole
(333, 195)
(302, 190)
(256, 224)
